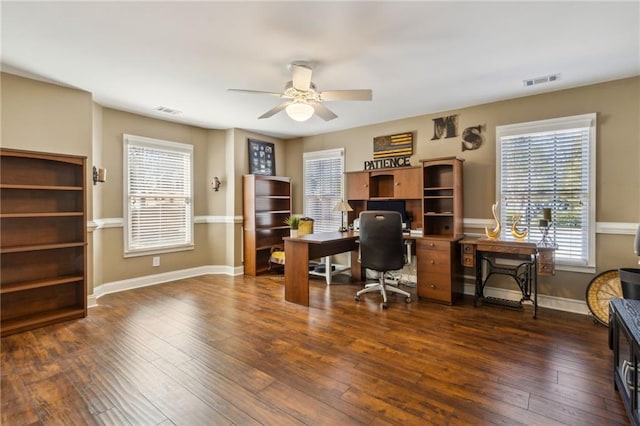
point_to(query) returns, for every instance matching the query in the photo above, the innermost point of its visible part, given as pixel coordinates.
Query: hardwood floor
(218, 350)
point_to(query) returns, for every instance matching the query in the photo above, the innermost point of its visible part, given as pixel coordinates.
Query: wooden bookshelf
(266, 205)
(43, 239)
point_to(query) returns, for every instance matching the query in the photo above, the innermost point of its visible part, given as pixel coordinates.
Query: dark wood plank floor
(218, 350)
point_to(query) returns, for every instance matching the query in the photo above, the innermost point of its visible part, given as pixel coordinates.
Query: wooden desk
(298, 251)
(534, 261)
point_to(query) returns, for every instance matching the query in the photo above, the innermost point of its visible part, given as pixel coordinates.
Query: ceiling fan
(303, 99)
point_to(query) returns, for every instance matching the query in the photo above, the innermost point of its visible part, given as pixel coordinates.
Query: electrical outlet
(156, 261)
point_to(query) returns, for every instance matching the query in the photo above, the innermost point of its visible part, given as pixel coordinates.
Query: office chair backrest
(381, 242)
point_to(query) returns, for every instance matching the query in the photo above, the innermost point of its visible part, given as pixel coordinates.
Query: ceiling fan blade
(301, 77)
(346, 95)
(274, 111)
(322, 111)
(256, 92)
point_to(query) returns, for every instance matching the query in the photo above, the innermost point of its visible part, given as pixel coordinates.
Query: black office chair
(381, 250)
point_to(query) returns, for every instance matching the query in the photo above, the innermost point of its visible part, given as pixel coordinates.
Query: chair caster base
(408, 300)
(385, 306)
(357, 298)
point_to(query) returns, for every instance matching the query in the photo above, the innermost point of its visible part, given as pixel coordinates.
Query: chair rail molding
(118, 222)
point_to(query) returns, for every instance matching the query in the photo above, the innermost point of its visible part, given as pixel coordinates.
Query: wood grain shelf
(44, 187)
(266, 204)
(51, 214)
(39, 247)
(40, 319)
(43, 245)
(28, 285)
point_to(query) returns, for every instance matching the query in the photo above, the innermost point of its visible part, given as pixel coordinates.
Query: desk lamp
(343, 207)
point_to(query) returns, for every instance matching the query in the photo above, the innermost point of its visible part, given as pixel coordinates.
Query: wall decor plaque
(262, 158)
(399, 145)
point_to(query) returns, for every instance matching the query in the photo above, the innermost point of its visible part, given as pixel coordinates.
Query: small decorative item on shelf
(305, 226)
(293, 222)
(544, 225)
(514, 228)
(495, 232)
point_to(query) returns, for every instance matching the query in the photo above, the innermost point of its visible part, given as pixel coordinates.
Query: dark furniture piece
(630, 282)
(624, 339)
(266, 205)
(381, 250)
(43, 241)
(532, 261)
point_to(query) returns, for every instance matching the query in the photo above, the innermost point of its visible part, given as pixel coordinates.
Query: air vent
(540, 80)
(167, 110)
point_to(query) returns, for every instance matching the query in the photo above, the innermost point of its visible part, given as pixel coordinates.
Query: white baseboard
(148, 280)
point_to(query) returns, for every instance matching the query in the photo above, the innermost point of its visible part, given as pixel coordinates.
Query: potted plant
(293, 222)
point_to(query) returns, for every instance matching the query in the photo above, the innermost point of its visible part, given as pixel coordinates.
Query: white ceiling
(417, 57)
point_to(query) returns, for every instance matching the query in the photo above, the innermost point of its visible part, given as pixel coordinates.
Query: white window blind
(323, 188)
(550, 164)
(158, 195)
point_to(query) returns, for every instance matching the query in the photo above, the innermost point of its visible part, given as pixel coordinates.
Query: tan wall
(618, 155)
(294, 150)
(44, 117)
(207, 146)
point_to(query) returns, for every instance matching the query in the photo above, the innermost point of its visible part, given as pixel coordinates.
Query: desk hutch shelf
(43, 246)
(433, 198)
(439, 266)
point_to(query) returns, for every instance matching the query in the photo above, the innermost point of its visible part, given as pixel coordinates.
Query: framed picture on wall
(262, 158)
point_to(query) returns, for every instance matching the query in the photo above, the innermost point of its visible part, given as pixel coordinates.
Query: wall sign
(472, 138)
(385, 163)
(262, 158)
(393, 145)
(445, 126)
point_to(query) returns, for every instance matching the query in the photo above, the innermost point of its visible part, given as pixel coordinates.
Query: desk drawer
(546, 268)
(434, 261)
(469, 260)
(507, 249)
(546, 261)
(431, 245)
(435, 287)
(546, 255)
(468, 255)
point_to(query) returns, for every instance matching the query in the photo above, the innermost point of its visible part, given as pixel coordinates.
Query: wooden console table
(532, 261)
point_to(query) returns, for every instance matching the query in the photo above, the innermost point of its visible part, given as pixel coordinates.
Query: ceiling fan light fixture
(299, 111)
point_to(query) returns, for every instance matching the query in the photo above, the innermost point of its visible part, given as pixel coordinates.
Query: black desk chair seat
(381, 250)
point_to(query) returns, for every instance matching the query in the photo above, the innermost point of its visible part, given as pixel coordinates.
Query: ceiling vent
(540, 80)
(168, 110)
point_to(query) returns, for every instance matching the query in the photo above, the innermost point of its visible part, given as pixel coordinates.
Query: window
(323, 188)
(551, 164)
(158, 194)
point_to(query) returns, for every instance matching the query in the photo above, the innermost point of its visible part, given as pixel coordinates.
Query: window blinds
(158, 205)
(549, 165)
(323, 182)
